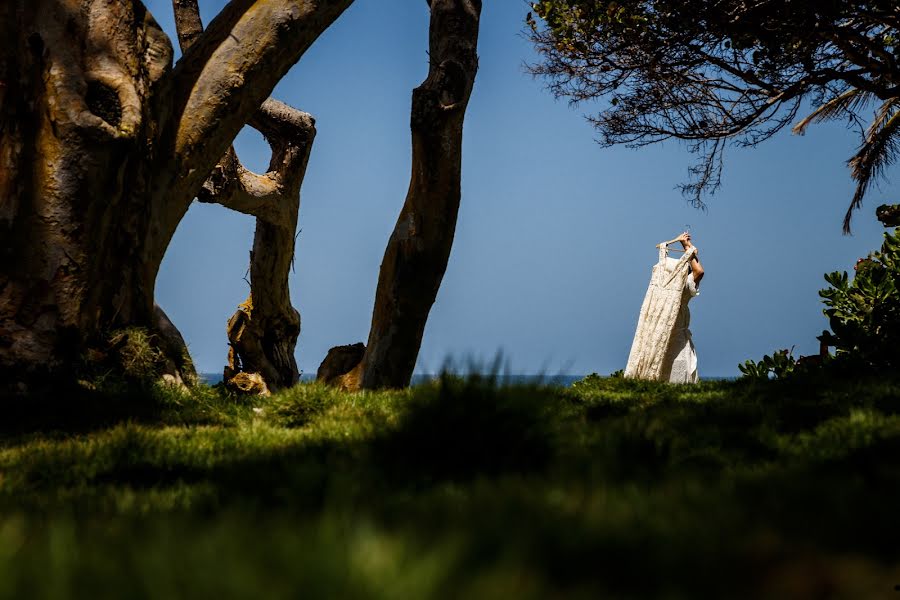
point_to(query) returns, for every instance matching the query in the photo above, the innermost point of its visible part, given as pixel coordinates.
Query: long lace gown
(663, 349)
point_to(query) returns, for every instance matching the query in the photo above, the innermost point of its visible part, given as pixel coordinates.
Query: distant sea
(418, 379)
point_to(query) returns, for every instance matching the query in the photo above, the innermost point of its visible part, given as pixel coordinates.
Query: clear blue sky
(555, 237)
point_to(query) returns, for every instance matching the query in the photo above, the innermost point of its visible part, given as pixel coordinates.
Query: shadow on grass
(621, 487)
(74, 409)
(463, 428)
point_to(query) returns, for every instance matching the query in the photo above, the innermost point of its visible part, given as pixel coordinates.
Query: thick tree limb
(288, 132)
(195, 56)
(188, 24)
(269, 196)
(238, 72)
(230, 183)
(241, 190)
(263, 332)
(419, 248)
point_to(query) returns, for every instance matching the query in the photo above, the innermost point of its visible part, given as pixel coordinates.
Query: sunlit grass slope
(458, 489)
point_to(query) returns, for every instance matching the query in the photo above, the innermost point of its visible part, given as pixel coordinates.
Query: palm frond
(850, 102)
(879, 150)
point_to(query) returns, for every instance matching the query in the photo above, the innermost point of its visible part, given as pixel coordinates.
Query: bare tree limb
(263, 332)
(244, 191)
(267, 196)
(195, 56)
(240, 73)
(230, 184)
(222, 79)
(188, 24)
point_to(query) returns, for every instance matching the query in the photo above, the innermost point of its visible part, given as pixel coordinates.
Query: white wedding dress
(662, 349)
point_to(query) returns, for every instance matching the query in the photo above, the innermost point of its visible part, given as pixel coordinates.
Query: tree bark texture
(419, 247)
(76, 120)
(103, 146)
(263, 333)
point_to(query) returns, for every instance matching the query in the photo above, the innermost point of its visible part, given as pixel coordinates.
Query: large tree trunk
(76, 143)
(419, 247)
(103, 146)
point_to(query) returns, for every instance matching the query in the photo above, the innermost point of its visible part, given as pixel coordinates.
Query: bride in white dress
(681, 354)
(662, 349)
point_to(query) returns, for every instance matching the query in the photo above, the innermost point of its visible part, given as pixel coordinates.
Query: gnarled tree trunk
(419, 247)
(263, 333)
(81, 81)
(103, 146)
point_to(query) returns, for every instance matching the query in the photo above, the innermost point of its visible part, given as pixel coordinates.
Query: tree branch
(263, 333)
(271, 196)
(222, 79)
(288, 131)
(244, 191)
(200, 45)
(240, 74)
(188, 24)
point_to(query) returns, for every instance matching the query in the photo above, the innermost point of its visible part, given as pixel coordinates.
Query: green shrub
(781, 364)
(864, 313)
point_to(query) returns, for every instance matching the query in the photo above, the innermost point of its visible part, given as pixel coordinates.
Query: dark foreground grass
(459, 489)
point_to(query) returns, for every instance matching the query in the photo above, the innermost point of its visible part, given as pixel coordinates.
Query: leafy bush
(781, 364)
(864, 313)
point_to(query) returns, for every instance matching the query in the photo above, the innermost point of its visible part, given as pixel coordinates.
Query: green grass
(460, 489)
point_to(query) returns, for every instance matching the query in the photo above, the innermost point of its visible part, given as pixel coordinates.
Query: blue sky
(556, 235)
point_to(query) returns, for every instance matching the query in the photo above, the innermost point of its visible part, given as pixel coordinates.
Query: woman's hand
(696, 267)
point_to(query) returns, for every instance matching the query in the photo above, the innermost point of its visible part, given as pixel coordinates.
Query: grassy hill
(457, 489)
